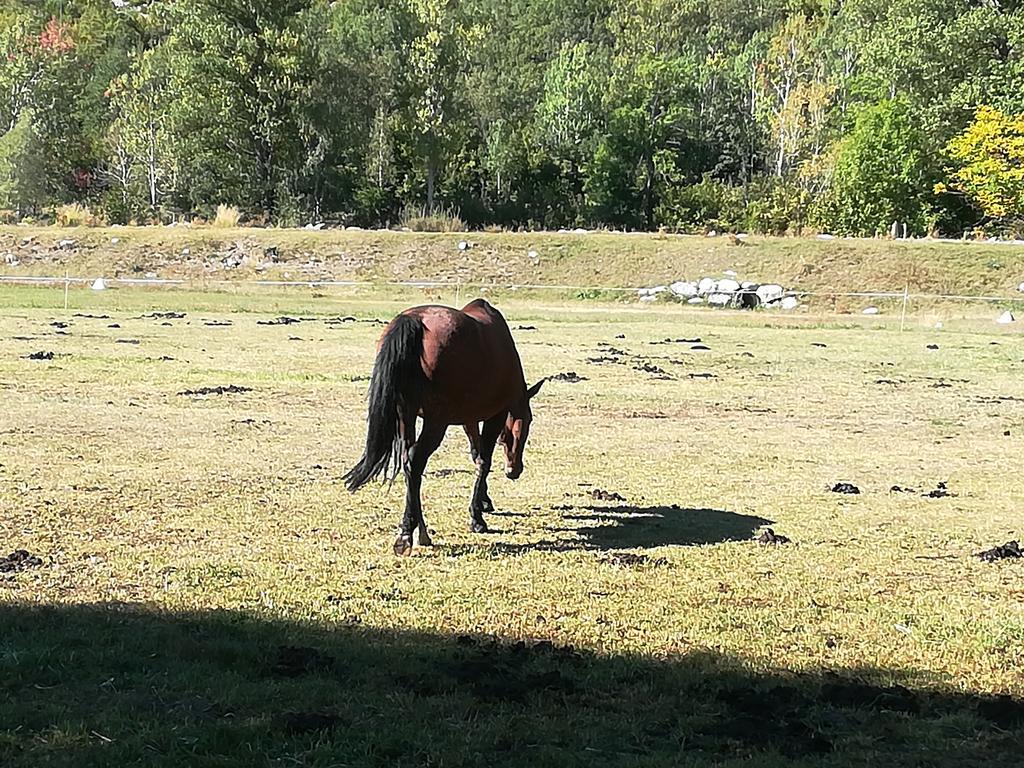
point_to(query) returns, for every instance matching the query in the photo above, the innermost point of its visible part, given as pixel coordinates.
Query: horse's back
(470, 359)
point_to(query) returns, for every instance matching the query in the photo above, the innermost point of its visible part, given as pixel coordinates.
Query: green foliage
(22, 177)
(988, 165)
(882, 174)
(722, 114)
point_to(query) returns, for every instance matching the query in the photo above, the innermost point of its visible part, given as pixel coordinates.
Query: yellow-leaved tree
(988, 170)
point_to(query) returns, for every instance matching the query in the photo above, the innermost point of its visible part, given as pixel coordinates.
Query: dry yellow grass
(223, 521)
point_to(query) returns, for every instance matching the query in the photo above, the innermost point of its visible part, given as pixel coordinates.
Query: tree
(988, 165)
(882, 173)
(22, 164)
(437, 55)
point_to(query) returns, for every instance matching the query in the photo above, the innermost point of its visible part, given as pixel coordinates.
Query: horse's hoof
(478, 526)
(486, 505)
(403, 546)
(423, 538)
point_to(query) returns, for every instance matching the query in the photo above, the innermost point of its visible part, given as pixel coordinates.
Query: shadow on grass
(117, 685)
(626, 527)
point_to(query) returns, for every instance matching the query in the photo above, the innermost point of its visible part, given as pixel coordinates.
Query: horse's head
(517, 429)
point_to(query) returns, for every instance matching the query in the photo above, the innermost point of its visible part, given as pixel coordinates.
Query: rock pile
(724, 292)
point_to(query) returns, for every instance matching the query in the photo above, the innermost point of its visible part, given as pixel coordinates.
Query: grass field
(209, 594)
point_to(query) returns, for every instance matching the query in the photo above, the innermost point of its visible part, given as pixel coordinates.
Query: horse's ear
(534, 389)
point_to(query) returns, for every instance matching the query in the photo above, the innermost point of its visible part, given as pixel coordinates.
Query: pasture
(209, 594)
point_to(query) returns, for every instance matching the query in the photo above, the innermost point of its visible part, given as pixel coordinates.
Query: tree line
(759, 115)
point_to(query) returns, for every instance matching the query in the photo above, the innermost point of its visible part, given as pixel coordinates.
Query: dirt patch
(678, 341)
(127, 341)
(283, 320)
(91, 317)
(570, 376)
(890, 382)
(769, 536)
(603, 359)
(40, 356)
(59, 324)
(646, 415)
(293, 661)
(901, 489)
(601, 495)
(449, 472)
(634, 560)
(845, 488)
(217, 323)
(162, 316)
(19, 560)
(939, 492)
(230, 389)
(650, 368)
(1008, 551)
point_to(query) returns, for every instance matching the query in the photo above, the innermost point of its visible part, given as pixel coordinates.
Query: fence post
(67, 282)
(903, 314)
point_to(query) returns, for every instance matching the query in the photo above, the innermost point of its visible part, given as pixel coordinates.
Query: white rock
(938, 326)
(719, 299)
(1021, 287)
(99, 284)
(648, 297)
(463, 245)
(1006, 318)
(652, 291)
(742, 235)
(789, 302)
(826, 237)
(579, 231)
(115, 240)
(695, 300)
(712, 233)
(728, 285)
(186, 251)
(66, 244)
(871, 311)
(705, 286)
(729, 273)
(533, 255)
(769, 293)
(746, 284)
(683, 289)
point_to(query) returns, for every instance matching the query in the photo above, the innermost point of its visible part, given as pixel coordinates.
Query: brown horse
(450, 367)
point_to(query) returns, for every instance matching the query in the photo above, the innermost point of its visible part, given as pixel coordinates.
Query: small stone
(871, 311)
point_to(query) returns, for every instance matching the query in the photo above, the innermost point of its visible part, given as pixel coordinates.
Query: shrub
(76, 215)
(441, 220)
(227, 216)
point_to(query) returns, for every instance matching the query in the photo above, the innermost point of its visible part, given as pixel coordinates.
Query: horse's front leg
(415, 462)
(481, 502)
(473, 433)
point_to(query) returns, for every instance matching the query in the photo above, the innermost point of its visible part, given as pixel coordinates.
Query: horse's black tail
(396, 389)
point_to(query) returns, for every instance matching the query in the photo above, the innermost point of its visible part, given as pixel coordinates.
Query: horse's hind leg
(415, 462)
(481, 502)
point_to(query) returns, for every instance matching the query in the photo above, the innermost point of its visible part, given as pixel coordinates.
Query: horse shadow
(629, 527)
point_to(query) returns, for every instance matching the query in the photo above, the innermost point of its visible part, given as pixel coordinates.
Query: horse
(450, 367)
